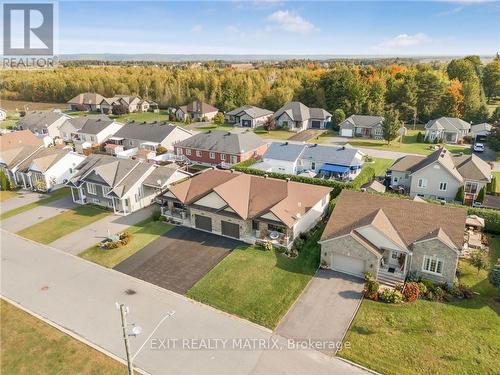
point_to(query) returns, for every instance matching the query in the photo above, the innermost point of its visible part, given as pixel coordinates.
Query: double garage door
(227, 228)
(349, 265)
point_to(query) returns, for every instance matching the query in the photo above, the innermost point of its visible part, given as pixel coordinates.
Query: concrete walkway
(325, 309)
(93, 233)
(80, 296)
(37, 214)
(21, 199)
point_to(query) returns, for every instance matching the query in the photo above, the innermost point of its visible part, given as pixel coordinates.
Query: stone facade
(438, 249)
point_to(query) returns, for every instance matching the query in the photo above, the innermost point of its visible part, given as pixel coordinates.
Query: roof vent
(228, 133)
(342, 148)
(286, 143)
(209, 131)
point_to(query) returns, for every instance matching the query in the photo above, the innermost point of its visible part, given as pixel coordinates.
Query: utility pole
(123, 314)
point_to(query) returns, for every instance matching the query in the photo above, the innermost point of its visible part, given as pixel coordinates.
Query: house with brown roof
(250, 208)
(440, 175)
(392, 237)
(197, 111)
(131, 103)
(87, 101)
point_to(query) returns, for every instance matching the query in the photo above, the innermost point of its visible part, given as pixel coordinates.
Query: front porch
(393, 267)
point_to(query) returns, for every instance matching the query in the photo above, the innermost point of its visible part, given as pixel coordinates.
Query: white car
(478, 147)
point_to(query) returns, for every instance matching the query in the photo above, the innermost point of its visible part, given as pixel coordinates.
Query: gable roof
(198, 106)
(448, 123)
(40, 119)
(16, 139)
(43, 158)
(285, 151)
(147, 131)
(250, 110)
(300, 112)
(221, 141)
(95, 125)
(252, 196)
(478, 128)
(412, 220)
(86, 98)
(363, 121)
(13, 156)
(472, 167)
(333, 155)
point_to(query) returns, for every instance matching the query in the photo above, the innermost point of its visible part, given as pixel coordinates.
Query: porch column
(80, 195)
(114, 206)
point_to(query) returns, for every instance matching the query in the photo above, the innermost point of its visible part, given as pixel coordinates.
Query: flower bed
(120, 239)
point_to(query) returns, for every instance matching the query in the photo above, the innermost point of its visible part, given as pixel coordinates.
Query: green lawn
(256, 284)
(215, 127)
(273, 134)
(53, 196)
(324, 136)
(4, 195)
(142, 234)
(143, 116)
(409, 145)
(379, 165)
(10, 121)
(30, 346)
(55, 227)
(459, 337)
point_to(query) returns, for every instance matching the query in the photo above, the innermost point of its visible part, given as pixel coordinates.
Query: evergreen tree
(391, 126)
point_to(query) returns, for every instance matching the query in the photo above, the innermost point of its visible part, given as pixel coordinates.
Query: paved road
(91, 234)
(324, 311)
(21, 199)
(81, 296)
(178, 259)
(37, 214)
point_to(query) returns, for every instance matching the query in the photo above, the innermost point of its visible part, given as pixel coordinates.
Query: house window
(471, 187)
(276, 228)
(188, 151)
(198, 153)
(234, 159)
(432, 265)
(313, 166)
(422, 183)
(212, 155)
(222, 156)
(443, 186)
(255, 225)
(407, 176)
(105, 190)
(95, 200)
(378, 131)
(91, 188)
(179, 151)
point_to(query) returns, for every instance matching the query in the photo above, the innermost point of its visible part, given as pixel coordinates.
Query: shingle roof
(300, 112)
(95, 125)
(332, 155)
(484, 127)
(284, 151)
(412, 220)
(250, 110)
(252, 196)
(16, 139)
(198, 106)
(161, 174)
(225, 142)
(44, 158)
(375, 186)
(448, 123)
(472, 167)
(13, 156)
(86, 98)
(40, 119)
(364, 121)
(147, 131)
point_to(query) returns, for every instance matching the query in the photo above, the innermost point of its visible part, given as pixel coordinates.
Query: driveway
(80, 296)
(21, 199)
(178, 259)
(325, 309)
(306, 135)
(88, 236)
(31, 217)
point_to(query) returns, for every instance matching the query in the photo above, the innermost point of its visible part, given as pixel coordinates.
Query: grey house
(297, 116)
(391, 237)
(440, 175)
(248, 116)
(447, 129)
(362, 126)
(123, 185)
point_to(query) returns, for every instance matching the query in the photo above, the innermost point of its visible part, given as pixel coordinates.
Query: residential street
(89, 235)
(81, 296)
(37, 214)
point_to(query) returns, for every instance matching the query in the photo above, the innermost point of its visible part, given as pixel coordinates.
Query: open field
(30, 346)
(458, 337)
(13, 105)
(53, 196)
(142, 234)
(51, 229)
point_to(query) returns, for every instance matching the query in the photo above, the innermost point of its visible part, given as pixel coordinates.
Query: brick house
(221, 148)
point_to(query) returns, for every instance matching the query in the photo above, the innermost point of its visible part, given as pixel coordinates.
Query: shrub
(479, 259)
(119, 110)
(420, 137)
(368, 276)
(160, 150)
(438, 294)
(155, 216)
(337, 117)
(480, 195)
(390, 296)
(429, 284)
(298, 243)
(219, 119)
(268, 246)
(460, 194)
(494, 276)
(422, 288)
(371, 289)
(270, 124)
(462, 291)
(4, 182)
(411, 292)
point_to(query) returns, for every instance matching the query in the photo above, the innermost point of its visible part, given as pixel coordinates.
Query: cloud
(450, 12)
(402, 41)
(291, 21)
(197, 29)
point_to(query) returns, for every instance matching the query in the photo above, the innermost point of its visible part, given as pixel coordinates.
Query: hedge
(491, 218)
(366, 175)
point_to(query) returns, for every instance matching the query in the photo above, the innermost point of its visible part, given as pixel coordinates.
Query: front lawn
(55, 227)
(53, 196)
(4, 195)
(142, 116)
(379, 165)
(496, 188)
(30, 346)
(142, 234)
(256, 284)
(459, 337)
(273, 134)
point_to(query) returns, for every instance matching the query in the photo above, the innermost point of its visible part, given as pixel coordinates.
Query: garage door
(230, 229)
(346, 132)
(352, 266)
(203, 222)
(316, 124)
(246, 123)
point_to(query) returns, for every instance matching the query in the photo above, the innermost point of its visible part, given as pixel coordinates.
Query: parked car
(478, 147)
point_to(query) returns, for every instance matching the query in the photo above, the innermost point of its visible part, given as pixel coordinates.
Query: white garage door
(346, 133)
(352, 266)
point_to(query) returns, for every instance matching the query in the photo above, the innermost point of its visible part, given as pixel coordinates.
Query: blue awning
(334, 168)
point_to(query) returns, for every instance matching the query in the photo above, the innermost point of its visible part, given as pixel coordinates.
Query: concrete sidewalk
(28, 218)
(21, 199)
(93, 233)
(80, 296)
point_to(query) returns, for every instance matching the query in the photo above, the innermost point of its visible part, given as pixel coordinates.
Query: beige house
(391, 237)
(297, 117)
(250, 208)
(130, 102)
(197, 111)
(87, 101)
(248, 116)
(440, 175)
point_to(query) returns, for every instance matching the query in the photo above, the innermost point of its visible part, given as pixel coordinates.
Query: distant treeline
(460, 88)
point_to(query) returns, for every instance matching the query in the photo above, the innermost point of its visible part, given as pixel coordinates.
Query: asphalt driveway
(325, 309)
(306, 135)
(178, 259)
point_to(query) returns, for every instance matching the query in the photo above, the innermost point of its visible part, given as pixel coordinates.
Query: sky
(396, 28)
